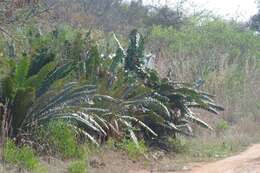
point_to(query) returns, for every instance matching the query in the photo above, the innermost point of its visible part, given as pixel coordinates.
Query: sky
(236, 9)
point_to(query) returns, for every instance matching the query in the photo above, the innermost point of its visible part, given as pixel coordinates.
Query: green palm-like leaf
(21, 71)
(37, 79)
(119, 57)
(135, 51)
(153, 105)
(43, 57)
(58, 73)
(197, 120)
(140, 123)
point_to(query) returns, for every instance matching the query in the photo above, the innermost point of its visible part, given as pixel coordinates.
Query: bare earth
(116, 162)
(245, 162)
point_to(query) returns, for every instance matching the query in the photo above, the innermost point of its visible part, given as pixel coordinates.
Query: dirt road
(245, 162)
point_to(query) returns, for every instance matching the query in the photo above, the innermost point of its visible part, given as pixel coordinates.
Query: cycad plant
(138, 102)
(103, 96)
(27, 80)
(29, 100)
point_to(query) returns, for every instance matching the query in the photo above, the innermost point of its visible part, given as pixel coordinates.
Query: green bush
(61, 138)
(134, 151)
(111, 143)
(10, 151)
(140, 96)
(23, 156)
(221, 126)
(78, 167)
(28, 158)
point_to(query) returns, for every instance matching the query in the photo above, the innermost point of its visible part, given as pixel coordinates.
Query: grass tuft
(62, 139)
(134, 151)
(78, 167)
(24, 156)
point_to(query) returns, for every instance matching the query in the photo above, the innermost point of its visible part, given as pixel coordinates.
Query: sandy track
(245, 162)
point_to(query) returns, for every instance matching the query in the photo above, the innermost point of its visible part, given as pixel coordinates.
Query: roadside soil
(110, 161)
(245, 162)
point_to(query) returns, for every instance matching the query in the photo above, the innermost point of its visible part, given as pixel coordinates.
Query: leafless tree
(20, 11)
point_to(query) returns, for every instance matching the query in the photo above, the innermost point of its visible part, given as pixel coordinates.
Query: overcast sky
(240, 9)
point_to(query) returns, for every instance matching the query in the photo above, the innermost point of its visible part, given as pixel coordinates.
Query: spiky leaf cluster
(102, 97)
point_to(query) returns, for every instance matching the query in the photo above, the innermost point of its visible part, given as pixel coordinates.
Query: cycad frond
(58, 73)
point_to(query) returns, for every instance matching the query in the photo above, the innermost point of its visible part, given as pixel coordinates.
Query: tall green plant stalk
(5, 117)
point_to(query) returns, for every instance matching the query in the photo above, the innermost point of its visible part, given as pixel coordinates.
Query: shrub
(23, 156)
(27, 157)
(10, 151)
(134, 151)
(142, 104)
(221, 126)
(111, 143)
(78, 167)
(63, 138)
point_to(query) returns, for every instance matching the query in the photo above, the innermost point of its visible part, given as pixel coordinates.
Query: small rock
(158, 155)
(186, 168)
(96, 163)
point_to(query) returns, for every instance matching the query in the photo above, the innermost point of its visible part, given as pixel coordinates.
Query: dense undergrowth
(65, 91)
(62, 76)
(23, 156)
(94, 86)
(222, 56)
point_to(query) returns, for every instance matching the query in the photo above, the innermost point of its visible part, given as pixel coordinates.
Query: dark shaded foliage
(101, 96)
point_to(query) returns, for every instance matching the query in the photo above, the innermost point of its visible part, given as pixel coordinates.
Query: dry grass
(212, 146)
